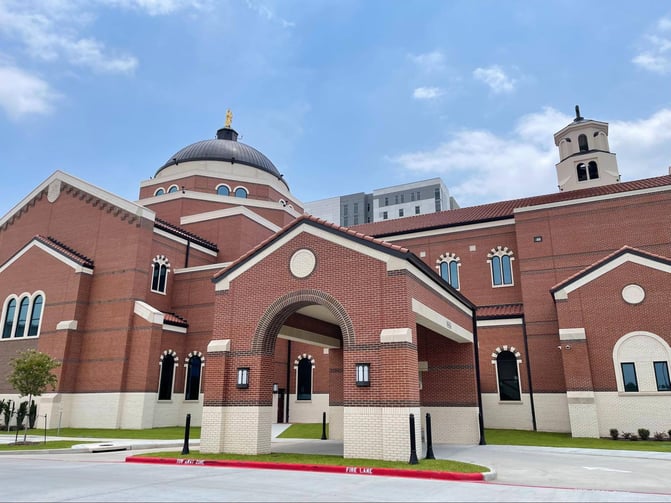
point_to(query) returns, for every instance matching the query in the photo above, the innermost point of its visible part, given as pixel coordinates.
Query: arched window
(448, 267)
(500, 260)
(35, 316)
(159, 191)
(582, 172)
(506, 360)
(593, 170)
(194, 366)
(241, 192)
(641, 361)
(173, 188)
(223, 190)
(23, 317)
(582, 143)
(8, 320)
(159, 275)
(167, 377)
(304, 365)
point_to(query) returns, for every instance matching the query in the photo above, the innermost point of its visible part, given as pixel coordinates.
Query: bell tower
(585, 159)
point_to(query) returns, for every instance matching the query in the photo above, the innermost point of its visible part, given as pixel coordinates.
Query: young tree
(31, 374)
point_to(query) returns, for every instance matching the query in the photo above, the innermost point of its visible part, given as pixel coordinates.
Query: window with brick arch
(507, 373)
(641, 360)
(194, 368)
(500, 260)
(9, 318)
(159, 275)
(167, 375)
(304, 366)
(448, 265)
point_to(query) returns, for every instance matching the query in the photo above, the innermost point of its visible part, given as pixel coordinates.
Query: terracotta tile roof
(606, 259)
(499, 311)
(178, 231)
(63, 249)
(500, 210)
(174, 319)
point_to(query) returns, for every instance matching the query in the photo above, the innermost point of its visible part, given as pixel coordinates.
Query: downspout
(476, 350)
(188, 248)
(531, 388)
(286, 417)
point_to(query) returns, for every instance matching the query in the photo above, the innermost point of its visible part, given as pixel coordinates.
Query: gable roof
(505, 209)
(58, 250)
(608, 263)
(60, 181)
(357, 238)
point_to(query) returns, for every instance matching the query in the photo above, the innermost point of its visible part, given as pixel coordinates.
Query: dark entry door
(280, 405)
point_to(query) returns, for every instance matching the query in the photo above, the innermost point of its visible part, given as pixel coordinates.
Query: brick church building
(215, 295)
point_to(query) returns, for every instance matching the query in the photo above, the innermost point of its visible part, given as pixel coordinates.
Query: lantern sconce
(243, 377)
(363, 374)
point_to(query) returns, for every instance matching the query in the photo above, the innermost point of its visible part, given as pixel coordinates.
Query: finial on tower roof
(229, 118)
(577, 114)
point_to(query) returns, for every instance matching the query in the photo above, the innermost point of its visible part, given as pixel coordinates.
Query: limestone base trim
(452, 425)
(336, 421)
(380, 432)
(236, 430)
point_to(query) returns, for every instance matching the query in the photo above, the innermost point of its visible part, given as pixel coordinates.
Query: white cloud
(429, 62)
(479, 166)
(265, 11)
(23, 94)
(49, 31)
(655, 53)
(426, 93)
(157, 7)
(495, 78)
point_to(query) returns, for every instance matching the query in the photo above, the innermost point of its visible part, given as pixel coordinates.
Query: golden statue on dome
(229, 118)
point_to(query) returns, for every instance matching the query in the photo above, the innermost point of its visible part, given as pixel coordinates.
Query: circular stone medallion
(302, 263)
(633, 294)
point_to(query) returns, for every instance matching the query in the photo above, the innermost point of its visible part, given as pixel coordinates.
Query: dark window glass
(35, 315)
(192, 391)
(629, 377)
(304, 387)
(22, 318)
(416, 210)
(173, 189)
(356, 219)
(159, 192)
(507, 268)
(593, 170)
(582, 143)
(356, 207)
(400, 212)
(155, 275)
(384, 215)
(662, 376)
(454, 274)
(167, 371)
(582, 172)
(496, 270)
(240, 192)
(509, 385)
(222, 190)
(345, 209)
(162, 276)
(345, 220)
(9, 319)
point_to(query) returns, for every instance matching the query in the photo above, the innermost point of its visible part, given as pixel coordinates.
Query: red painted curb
(349, 470)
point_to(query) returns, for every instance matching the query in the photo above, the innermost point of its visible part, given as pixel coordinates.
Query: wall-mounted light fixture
(538, 239)
(276, 388)
(363, 374)
(243, 377)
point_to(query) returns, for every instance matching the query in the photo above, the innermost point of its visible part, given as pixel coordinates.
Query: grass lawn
(546, 439)
(52, 444)
(304, 430)
(169, 433)
(442, 465)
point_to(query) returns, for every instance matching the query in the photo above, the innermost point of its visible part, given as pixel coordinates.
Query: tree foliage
(31, 373)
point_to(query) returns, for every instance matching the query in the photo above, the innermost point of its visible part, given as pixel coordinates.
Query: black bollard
(185, 448)
(45, 429)
(413, 447)
(429, 443)
(324, 426)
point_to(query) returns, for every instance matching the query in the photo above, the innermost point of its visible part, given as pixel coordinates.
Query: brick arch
(278, 312)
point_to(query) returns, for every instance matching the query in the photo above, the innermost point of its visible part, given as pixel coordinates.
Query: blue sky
(342, 95)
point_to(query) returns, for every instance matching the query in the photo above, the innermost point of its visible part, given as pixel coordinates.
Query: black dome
(224, 148)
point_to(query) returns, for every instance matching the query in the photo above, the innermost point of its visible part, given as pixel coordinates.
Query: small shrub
(633, 436)
(644, 433)
(659, 435)
(614, 434)
(669, 432)
(626, 435)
